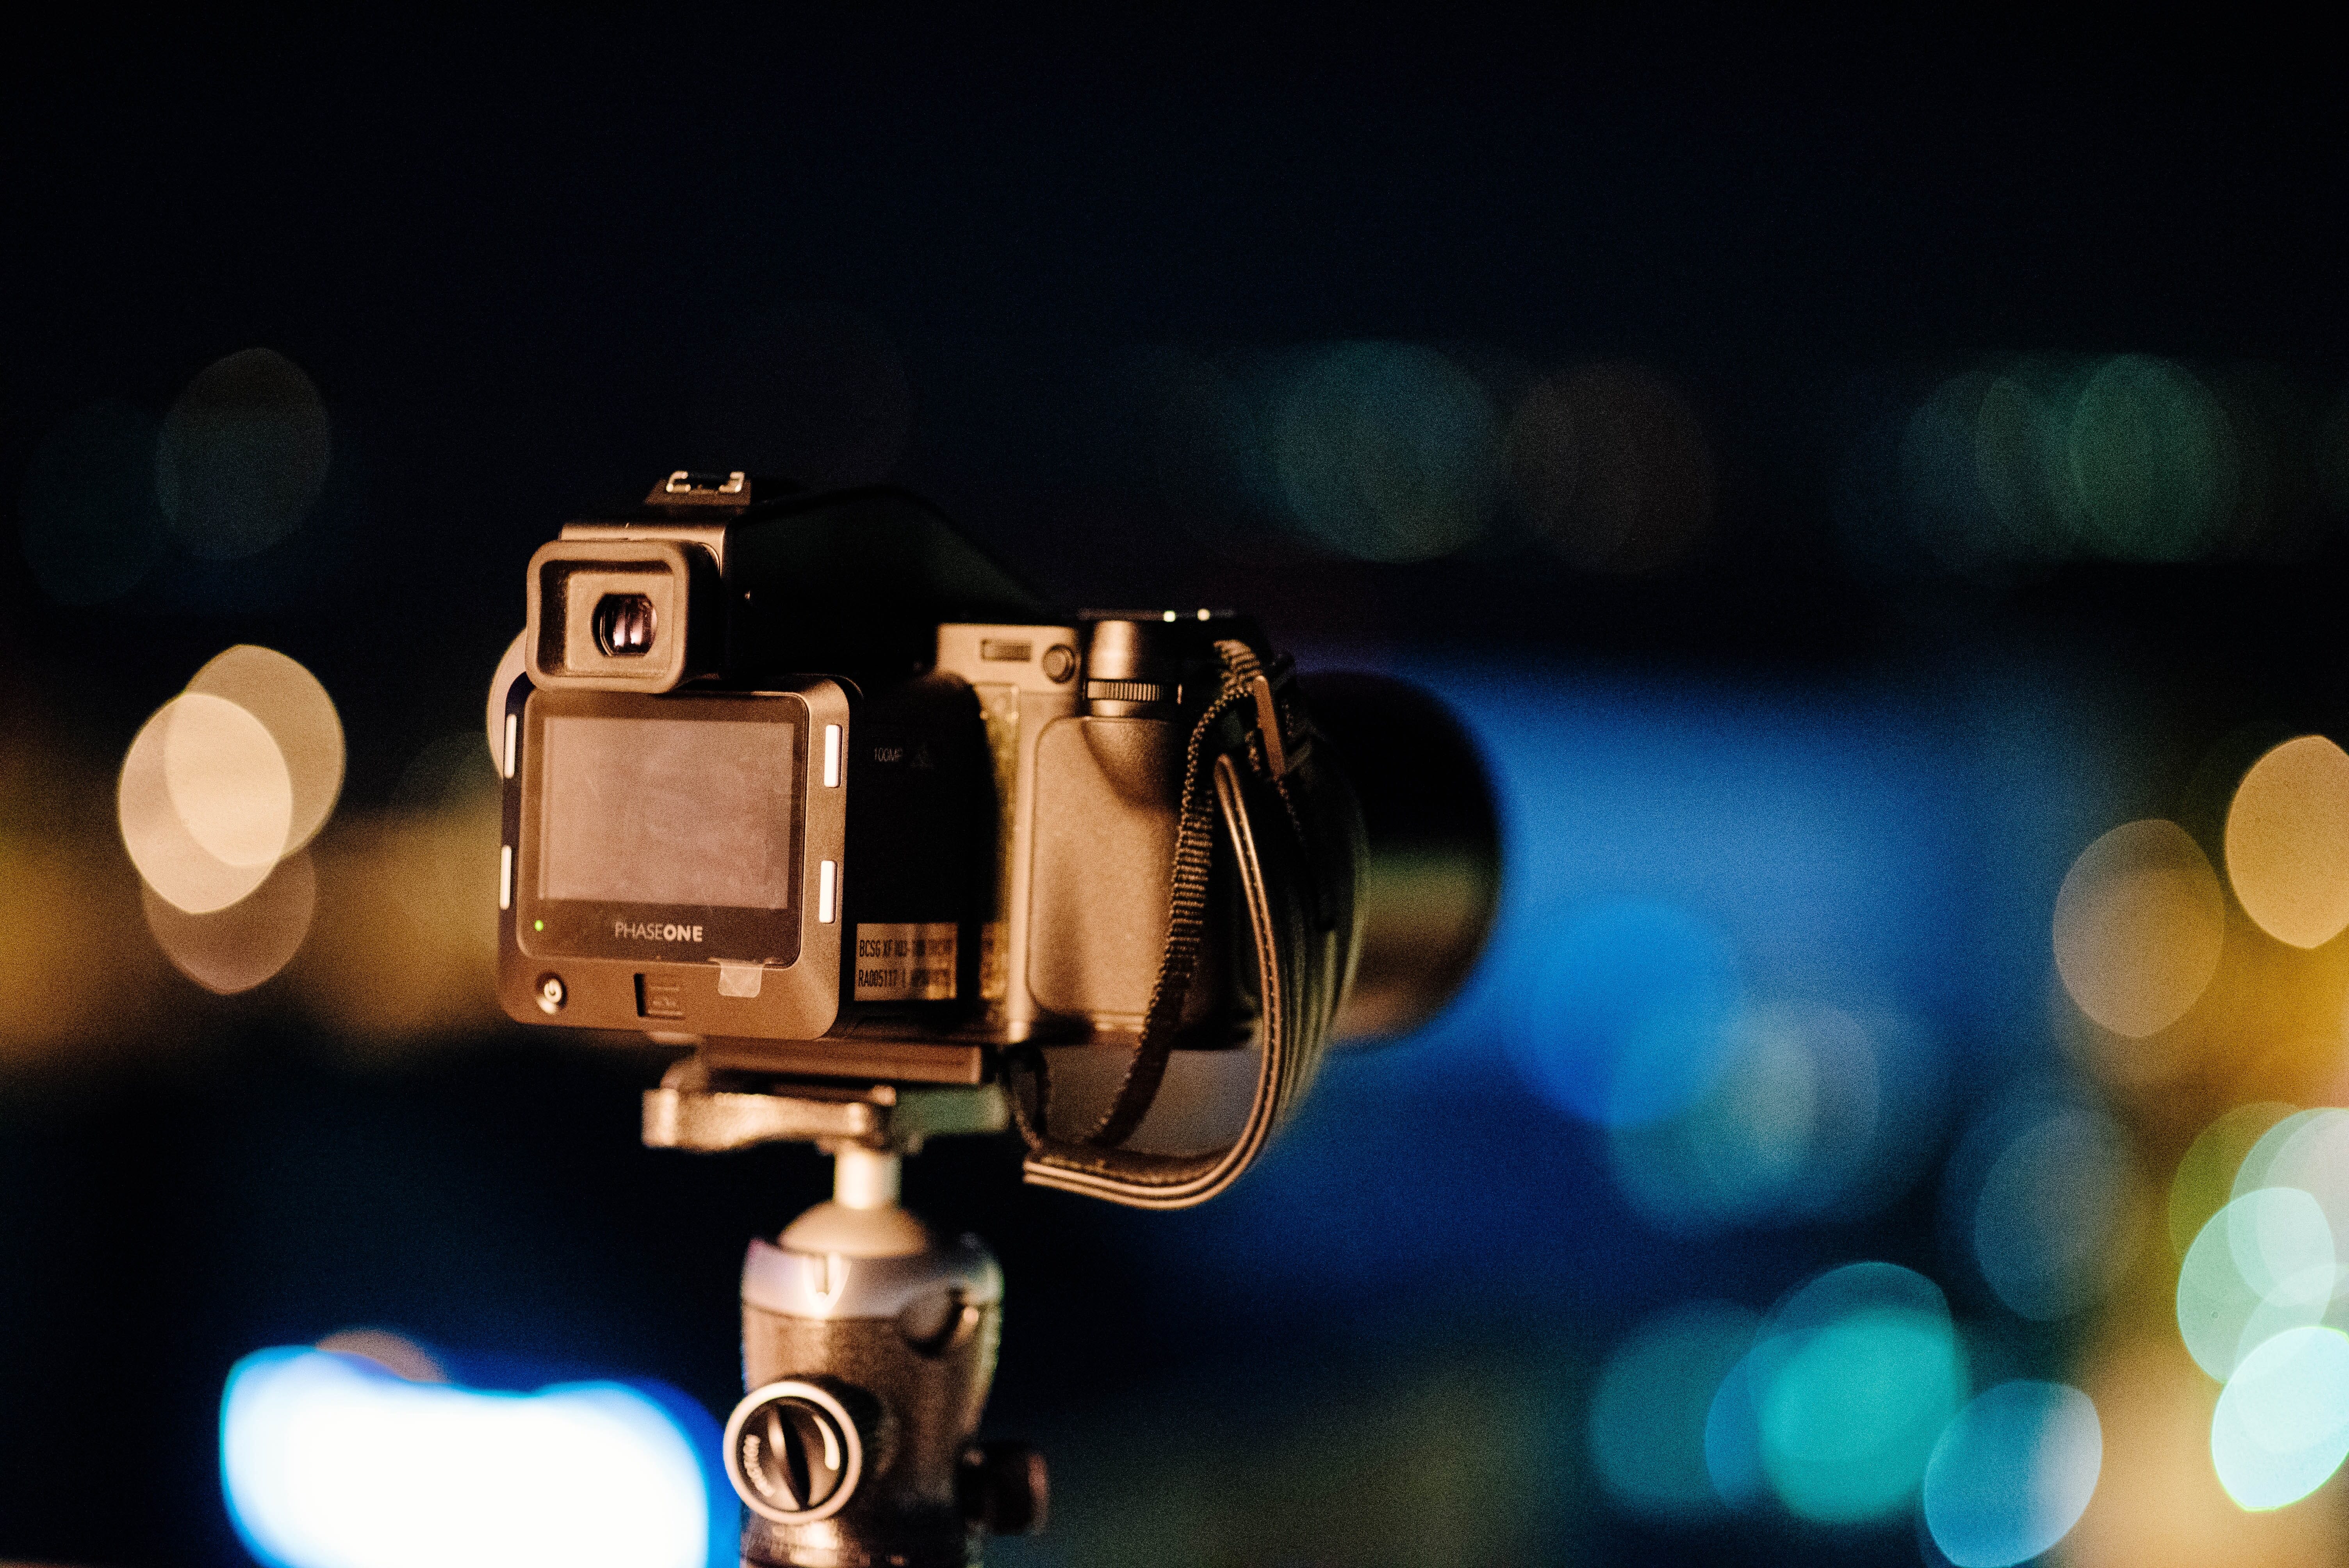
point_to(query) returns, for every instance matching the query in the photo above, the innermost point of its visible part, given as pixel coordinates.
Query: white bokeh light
(330, 1462)
(2282, 1426)
(206, 802)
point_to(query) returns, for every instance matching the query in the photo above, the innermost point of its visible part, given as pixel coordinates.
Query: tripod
(868, 1343)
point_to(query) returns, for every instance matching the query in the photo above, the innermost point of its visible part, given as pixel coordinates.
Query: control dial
(792, 1453)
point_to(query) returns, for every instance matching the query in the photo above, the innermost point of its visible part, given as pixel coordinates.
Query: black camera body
(808, 782)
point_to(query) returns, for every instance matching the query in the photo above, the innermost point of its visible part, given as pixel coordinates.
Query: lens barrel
(1433, 874)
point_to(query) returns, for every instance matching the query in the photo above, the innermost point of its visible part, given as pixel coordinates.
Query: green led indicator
(538, 926)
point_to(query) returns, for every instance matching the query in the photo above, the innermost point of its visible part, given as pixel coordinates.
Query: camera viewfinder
(625, 624)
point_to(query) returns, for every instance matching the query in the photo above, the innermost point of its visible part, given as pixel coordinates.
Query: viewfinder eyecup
(619, 614)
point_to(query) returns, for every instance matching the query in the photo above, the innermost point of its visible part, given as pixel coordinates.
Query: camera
(809, 782)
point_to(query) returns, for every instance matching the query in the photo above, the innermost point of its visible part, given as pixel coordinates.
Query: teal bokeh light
(2012, 1473)
(2154, 460)
(2023, 458)
(2282, 1426)
(1626, 1011)
(1387, 451)
(1839, 1404)
(243, 455)
(1648, 1415)
(1941, 479)
(1850, 1418)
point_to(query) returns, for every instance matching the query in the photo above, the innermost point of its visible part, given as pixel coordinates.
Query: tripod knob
(1003, 1488)
(794, 1453)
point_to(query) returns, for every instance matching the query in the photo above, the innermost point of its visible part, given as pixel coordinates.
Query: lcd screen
(668, 812)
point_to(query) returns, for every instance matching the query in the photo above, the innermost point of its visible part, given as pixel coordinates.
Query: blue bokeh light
(1815, 1112)
(1856, 856)
(2012, 1473)
(2047, 1222)
(330, 1461)
(1624, 1017)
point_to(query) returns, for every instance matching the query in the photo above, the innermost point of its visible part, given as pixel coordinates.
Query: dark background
(533, 261)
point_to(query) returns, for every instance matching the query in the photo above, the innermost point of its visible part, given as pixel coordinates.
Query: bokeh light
(243, 455)
(2263, 1264)
(2041, 459)
(300, 718)
(329, 1461)
(2012, 1473)
(2312, 1157)
(405, 950)
(2206, 1174)
(2158, 1504)
(2051, 1229)
(1849, 1418)
(239, 947)
(2021, 457)
(2259, 1163)
(90, 525)
(2288, 841)
(1840, 1401)
(395, 1352)
(2140, 924)
(1626, 1013)
(206, 802)
(1941, 476)
(1794, 1126)
(1386, 452)
(1610, 464)
(1648, 1413)
(2154, 460)
(2282, 1426)
(228, 778)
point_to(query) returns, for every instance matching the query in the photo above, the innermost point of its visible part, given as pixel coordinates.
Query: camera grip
(1289, 821)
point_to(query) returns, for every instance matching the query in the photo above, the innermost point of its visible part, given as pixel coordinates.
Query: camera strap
(1290, 825)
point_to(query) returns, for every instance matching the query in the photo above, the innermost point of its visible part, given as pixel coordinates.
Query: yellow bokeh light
(2158, 1502)
(206, 802)
(405, 948)
(70, 913)
(237, 948)
(299, 715)
(2288, 841)
(2139, 923)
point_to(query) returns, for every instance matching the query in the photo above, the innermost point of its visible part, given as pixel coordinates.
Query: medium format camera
(806, 782)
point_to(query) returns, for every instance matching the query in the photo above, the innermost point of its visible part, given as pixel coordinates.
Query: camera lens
(1432, 876)
(623, 625)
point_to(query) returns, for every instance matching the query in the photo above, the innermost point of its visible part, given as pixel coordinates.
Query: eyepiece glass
(624, 626)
